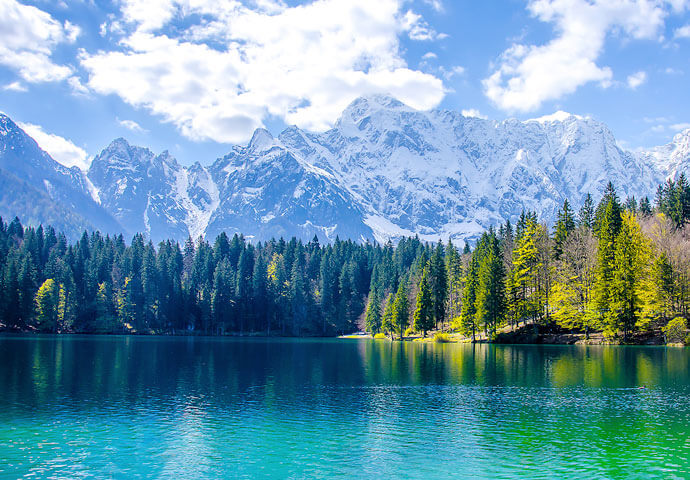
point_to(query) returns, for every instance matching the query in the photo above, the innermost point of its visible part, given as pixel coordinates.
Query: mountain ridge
(383, 171)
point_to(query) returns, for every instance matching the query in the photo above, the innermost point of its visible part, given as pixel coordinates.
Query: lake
(176, 407)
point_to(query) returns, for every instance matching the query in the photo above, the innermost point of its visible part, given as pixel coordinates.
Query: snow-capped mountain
(40, 190)
(384, 170)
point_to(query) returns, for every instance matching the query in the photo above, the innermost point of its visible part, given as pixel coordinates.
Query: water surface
(160, 407)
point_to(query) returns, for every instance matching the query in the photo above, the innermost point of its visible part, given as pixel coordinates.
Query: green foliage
(387, 325)
(440, 337)
(380, 336)
(424, 310)
(676, 330)
(47, 299)
(614, 272)
(401, 314)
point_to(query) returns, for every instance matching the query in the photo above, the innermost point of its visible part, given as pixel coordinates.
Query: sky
(197, 76)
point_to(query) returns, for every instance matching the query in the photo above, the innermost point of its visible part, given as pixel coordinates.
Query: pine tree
(468, 320)
(564, 227)
(629, 274)
(372, 317)
(387, 325)
(424, 310)
(608, 225)
(401, 314)
(439, 285)
(586, 215)
(490, 301)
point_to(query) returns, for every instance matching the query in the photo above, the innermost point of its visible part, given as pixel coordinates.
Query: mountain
(40, 190)
(384, 170)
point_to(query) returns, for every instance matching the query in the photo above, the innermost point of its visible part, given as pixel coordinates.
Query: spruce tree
(424, 310)
(401, 310)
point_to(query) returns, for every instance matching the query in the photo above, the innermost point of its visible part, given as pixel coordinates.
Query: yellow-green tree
(46, 300)
(629, 279)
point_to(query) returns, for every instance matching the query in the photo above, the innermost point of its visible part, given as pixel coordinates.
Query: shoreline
(521, 336)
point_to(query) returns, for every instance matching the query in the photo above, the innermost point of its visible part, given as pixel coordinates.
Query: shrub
(409, 331)
(380, 336)
(674, 331)
(442, 338)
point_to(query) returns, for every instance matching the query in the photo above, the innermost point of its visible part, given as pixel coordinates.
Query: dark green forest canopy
(619, 267)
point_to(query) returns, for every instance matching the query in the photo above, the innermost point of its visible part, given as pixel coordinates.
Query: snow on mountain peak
(262, 141)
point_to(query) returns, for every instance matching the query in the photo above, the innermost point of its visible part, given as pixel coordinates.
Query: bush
(380, 336)
(442, 338)
(409, 331)
(674, 331)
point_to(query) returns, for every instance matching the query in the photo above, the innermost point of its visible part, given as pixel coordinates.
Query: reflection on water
(210, 407)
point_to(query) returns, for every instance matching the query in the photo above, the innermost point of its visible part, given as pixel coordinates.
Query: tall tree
(424, 310)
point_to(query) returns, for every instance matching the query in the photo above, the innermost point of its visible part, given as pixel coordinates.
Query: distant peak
(364, 106)
(261, 141)
(559, 116)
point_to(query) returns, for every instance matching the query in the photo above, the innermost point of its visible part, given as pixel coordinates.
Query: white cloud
(473, 113)
(15, 87)
(528, 75)
(131, 125)
(429, 56)
(62, 150)
(27, 38)
(238, 65)
(682, 32)
(435, 4)
(680, 126)
(636, 79)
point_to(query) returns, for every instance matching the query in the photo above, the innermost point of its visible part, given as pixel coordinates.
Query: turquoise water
(144, 407)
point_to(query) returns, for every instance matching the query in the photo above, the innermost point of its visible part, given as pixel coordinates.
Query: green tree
(424, 310)
(401, 310)
(46, 301)
(387, 325)
(630, 270)
(372, 317)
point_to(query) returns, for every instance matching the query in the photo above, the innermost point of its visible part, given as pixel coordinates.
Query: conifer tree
(424, 311)
(372, 317)
(438, 280)
(387, 325)
(401, 309)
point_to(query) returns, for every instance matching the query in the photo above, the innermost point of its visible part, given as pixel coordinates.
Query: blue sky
(195, 76)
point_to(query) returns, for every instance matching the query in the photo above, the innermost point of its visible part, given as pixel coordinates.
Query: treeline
(618, 267)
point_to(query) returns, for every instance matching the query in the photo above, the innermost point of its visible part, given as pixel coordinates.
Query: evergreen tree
(401, 314)
(564, 227)
(387, 325)
(490, 301)
(372, 317)
(439, 285)
(586, 215)
(424, 311)
(629, 274)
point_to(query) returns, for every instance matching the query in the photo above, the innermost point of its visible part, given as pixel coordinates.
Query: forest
(620, 267)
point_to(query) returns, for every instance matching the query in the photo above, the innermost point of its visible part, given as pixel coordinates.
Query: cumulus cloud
(231, 66)
(61, 149)
(131, 125)
(636, 79)
(27, 38)
(526, 76)
(473, 113)
(15, 87)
